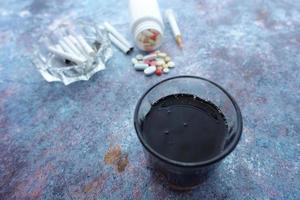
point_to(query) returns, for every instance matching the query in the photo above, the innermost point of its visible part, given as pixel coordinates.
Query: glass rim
(215, 159)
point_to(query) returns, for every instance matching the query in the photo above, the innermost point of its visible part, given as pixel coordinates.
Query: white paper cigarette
(117, 35)
(119, 44)
(174, 26)
(67, 56)
(87, 48)
(72, 46)
(66, 47)
(172, 21)
(78, 46)
(58, 47)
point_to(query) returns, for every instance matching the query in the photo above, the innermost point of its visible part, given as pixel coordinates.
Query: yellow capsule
(165, 66)
(162, 55)
(160, 63)
(167, 59)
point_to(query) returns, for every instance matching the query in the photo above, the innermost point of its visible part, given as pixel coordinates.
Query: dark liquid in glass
(185, 128)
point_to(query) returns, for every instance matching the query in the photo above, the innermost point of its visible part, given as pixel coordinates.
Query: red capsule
(158, 72)
(153, 37)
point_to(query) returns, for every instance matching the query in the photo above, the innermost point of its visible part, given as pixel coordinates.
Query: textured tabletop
(78, 142)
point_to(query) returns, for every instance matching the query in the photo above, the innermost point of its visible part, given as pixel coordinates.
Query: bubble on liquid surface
(166, 132)
(185, 124)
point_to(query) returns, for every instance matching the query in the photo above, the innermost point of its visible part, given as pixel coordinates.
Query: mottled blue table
(78, 142)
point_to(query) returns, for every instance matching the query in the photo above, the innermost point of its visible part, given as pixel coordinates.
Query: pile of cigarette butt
(154, 63)
(73, 48)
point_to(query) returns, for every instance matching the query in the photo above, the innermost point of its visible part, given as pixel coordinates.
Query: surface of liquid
(185, 128)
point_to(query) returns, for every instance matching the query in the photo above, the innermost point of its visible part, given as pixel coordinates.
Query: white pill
(150, 57)
(149, 70)
(167, 59)
(134, 61)
(140, 66)
(159, 59)
(171, 64)
(165, 66)
(166, 70)
(162, 55)
(160, 62)
(139, 57)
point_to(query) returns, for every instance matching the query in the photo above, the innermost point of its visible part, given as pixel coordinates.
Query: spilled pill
(156, 62)
(149, 70)
(139, 57)
(148, 62)
(140, 66)
(171, 64)
(150, 57)
(166, 70)
(158, 72)
(160, 68)
(167, 59)
(153, 63)
(162, 55)
(160, 62)
(134, 61)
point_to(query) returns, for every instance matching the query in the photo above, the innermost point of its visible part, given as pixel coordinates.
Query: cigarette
(77, 44)
(87, 48)
(119, 44)
(117, 35)
(174, 26)
(72, 46)
(66, 55)
(58, 47)
(66, 47)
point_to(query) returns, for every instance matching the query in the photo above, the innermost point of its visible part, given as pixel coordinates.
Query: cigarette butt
(117, 35)
(66, 55)
(119, 44)
(66, 47)
(72, 46)
(179, 41)
(87, 48)
(58, 47)
(174, 26)
(77, 44)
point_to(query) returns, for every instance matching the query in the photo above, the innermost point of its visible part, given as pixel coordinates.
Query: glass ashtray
(72, 52)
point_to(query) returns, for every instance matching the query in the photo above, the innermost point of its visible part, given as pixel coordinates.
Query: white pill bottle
(146, 24)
